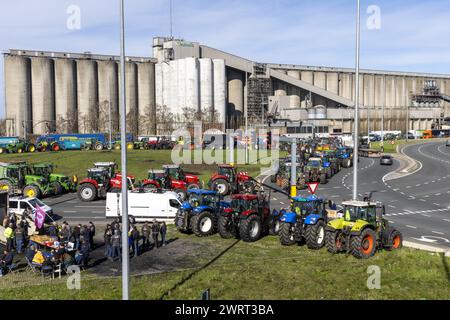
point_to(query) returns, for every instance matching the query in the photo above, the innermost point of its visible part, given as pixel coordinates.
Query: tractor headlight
(42, 181)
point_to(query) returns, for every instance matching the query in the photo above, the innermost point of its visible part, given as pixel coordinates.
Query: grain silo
(108, 95)
(43, 95)
(18, 95)
(147, 103)
(66, 96)
(206, 89)
(220, 91)
(87, 88)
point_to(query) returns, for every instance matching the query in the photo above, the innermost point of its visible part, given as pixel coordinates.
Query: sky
(399, 35)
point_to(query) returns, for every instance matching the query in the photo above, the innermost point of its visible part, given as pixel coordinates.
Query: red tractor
(248, 217)
(228, 181)
(175, 172)
(100, 180)
(158, 179)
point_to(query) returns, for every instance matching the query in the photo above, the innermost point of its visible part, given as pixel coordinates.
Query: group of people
(149, 235)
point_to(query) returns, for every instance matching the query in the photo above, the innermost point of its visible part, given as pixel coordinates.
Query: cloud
(320, 32)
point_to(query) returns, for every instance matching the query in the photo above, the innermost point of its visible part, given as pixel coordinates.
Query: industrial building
(187, 81)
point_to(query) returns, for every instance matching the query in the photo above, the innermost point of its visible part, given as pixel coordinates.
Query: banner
(39, 217)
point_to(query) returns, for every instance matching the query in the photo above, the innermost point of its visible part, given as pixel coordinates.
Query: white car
(18, 205)
(145, 206)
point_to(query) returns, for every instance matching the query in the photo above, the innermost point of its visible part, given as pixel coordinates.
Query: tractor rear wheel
(19, 150)
(363, 246)
(346, 163)
(333, 241)
(204, 224)
(130, 146)
(99, 147)
(117, 147)
(221, 186)
(250, 228)
(57, 188)
(395, 241)
(32, 191)
(226, 227)
(87, 192)
(5, 185)
(315, 235)
(287, 234)
(275, 227)
(31, 148)
(182, 223)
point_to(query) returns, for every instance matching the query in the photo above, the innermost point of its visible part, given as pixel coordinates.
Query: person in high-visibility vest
(9, 235)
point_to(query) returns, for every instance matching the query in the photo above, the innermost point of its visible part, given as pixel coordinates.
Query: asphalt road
(418, 204)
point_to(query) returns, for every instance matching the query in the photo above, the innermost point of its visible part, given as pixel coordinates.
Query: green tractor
(15, 178)
(60, 182)
(20, 146)
(362, 230)
(314, 171)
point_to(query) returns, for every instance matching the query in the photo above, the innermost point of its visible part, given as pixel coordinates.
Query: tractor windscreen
(305, 208)
(225, 171)
(359, 213)
(314, 163)
(194, 200)
(209, 200)
(240, 205)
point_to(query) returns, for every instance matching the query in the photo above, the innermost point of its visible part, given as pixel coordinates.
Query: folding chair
(31, 266)
(12, 268)
(57, 269)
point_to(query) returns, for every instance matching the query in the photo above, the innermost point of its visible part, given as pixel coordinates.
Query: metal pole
(246, 119)
(110, 128)
(231, 155)
(356, 140)
(294, 168)
(368, 125)
(125, 248)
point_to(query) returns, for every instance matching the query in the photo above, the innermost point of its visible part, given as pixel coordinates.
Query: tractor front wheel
(87, 192)
(363, 246)
(221, 186)
(333, 241)
(31, 191)
(315, 235)
(31, 148)
(57, 188)
(226, 228)
(287, 234)
(250, 229)
(204, 224)
(181, 194)
(395, 241)
(193, 186)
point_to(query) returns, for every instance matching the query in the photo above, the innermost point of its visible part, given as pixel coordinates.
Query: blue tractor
(199, 213)
(345, 155)
(306, 221)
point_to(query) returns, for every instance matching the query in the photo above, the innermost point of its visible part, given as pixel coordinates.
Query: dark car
(447, 143)
(386, 160)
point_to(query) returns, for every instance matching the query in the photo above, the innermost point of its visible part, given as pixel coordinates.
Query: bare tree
(165, 120)
(2, 127)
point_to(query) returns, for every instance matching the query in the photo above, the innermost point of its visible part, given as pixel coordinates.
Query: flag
(39, 217)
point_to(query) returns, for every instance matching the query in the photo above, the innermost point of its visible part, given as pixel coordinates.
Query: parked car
(18, 205)
(447, 143)
(386, 160)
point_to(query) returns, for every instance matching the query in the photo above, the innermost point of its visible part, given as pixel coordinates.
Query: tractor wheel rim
(277, 227)
(254, 229)
(4, 187)
(367, 244)
(292, 232)
(32, 149)
(396, 242)
(30, 194)
(87, 193)
(221, 188)
(321, 235)
(205, 224)
(181, 195)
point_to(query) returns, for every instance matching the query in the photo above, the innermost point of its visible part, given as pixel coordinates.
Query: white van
(17, 205)
(145, 206)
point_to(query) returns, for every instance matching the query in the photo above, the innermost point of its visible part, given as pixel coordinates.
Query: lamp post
(356, 139)
(125, 248)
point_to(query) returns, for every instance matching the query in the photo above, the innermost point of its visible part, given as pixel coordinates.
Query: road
(418, 204)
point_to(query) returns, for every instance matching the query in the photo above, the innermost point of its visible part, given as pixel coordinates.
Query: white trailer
(145, 206)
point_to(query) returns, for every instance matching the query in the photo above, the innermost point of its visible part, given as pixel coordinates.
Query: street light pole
(110, 127)
(356, 139)
(125, 247)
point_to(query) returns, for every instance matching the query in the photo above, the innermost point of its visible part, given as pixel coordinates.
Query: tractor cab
(198, 197)
(306, 206)
(315, 163)
(371, 212)
(111, 167)
(227, 171)
(174, 172)
(100, 175)
(43, 169)
(161, 177)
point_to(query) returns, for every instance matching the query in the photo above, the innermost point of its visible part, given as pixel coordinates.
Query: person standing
(91, 234)
(76, 236)
(155, 233)
(116, 242)
(108, 242)
(19, 239)
(145, 231)
(9, 235)
(163, 232)
(135, 240)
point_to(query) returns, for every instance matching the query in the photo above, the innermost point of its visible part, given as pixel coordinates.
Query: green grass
(265, 270)
(139, 162)
(392, 148)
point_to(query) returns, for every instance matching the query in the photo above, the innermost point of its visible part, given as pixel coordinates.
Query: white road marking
(69, 212)
(439, 233)
(412, 227)
(426, 215)
(448, 220)
(92, 207)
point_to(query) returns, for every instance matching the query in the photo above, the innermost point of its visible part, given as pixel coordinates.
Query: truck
(74, 141)
(145, 206)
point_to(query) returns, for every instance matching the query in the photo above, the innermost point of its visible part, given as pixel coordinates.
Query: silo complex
(220, 91)
(18, 95)
(43, 95)
(87, 85)
(108, 89)
(131, 84)
(66, 96)
(206, 89)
